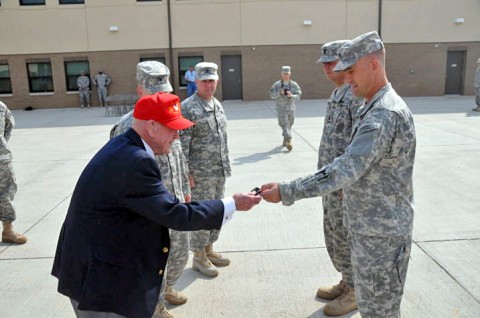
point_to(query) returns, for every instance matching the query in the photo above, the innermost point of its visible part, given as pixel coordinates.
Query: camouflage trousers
(102, 95)
(8, 189)
(379, 269)
(206, 189)
(84, 97)
(178, 256)
(177, 260)
(285, 121)
(477, 96)
(336, 236)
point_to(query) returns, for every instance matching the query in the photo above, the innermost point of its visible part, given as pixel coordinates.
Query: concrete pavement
(278, 254)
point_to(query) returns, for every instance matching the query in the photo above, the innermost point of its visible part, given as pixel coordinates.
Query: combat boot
(216, 258)
(10, 236)
(161, 311)
(342, 305)
(289, 144)
(284, 144)
(202, 264)
(331, 292)
(477, 109)
(174, 297)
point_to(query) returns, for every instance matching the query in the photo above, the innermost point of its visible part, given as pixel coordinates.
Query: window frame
(74, 77)
(25, 3)
(63, 2)
(7, 79)
(32, 78)
(181, 72)
(160, 59)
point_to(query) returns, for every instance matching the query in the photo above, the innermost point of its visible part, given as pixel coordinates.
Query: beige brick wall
(414, 70)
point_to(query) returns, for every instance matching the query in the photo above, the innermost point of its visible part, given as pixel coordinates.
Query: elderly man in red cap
(114, 243)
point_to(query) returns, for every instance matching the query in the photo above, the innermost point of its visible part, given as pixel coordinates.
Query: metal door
(231, 77)
(455, 72)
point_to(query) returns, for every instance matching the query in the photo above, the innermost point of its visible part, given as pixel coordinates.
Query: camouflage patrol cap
(206, 71)
(153, 76)
(286, 69)
(359, 47)
(329, 51)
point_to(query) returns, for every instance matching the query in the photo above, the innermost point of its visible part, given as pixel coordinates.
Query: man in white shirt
(190, 77)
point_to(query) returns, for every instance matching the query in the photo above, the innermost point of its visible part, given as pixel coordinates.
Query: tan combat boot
(342, 305)
(289, 144)
(331, 292)
(284, 141)
(174, 297)
(161, 311)
(216, 258)
(477, 109)
(10, 236)
(203, 265)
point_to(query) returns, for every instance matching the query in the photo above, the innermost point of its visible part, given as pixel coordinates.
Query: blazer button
(160, 272)
(165, 250)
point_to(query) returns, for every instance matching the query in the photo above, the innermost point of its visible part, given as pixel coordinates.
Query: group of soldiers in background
(101, 81)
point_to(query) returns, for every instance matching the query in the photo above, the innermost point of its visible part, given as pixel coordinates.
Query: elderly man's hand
(271, 192)
(246, 201)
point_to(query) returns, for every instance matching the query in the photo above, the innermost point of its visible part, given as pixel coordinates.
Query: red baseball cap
(163, 108)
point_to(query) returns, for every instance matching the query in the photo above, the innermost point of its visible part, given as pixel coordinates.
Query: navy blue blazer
(113, 245)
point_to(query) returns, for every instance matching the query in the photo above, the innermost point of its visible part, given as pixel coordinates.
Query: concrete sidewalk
(278, 253)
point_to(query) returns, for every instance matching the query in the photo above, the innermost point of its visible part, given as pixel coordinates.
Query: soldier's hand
(271, 192)
(191, 180)
(246, 201)
(188, 198)
(289, 94)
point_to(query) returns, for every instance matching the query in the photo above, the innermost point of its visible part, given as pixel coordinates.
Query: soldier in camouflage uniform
(476, 86)
(205, 147)
(337, 129)
(83, 83)
(152, 77)
(102, 81)
(8, 187)
(375, 173)
(286, 92)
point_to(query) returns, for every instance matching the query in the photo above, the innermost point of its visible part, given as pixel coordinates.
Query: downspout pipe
(170, 48)
(379, 18)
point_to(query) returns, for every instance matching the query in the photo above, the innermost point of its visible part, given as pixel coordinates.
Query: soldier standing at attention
(476, 87)
(286, 92)
(83, 83)
(337, 129)
(8, 187)
(152, 77)
(206, 149)
(102, 81)
(375, 173)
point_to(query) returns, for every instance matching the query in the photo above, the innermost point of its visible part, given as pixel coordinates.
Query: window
(40, 77)
(158, 59)
(32, 2)
(71, 1)
(72, 72)
(183, 63)
(5, 83)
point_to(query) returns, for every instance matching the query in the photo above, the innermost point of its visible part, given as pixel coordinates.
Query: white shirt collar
(148, 149)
